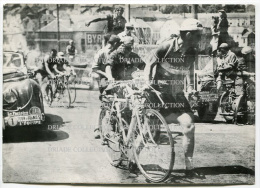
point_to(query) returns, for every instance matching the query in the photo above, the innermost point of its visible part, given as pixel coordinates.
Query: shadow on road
(48, 131)
(216, 170)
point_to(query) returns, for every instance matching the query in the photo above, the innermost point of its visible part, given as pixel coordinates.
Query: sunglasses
(129, 28)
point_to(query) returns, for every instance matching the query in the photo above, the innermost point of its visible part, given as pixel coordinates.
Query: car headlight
(10, 97)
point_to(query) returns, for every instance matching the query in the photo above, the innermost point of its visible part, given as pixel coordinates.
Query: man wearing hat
(172, 61)
(115, 23)
(122, 62)
(129, 28)
(226, 64)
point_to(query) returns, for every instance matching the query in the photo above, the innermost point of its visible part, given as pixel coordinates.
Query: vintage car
(22, 97)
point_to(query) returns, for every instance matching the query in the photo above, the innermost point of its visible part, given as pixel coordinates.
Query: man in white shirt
(128, 32)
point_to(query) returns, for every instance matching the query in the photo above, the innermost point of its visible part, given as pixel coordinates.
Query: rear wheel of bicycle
(153, 147)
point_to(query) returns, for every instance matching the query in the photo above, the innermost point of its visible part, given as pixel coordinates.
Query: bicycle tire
(73, 92)
(65, 98)
(167, 144)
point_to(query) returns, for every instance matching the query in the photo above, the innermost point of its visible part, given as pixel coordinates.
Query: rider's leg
(186, 120)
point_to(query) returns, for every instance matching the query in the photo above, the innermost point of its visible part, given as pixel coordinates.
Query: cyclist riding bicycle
(46, 71)
(120, 64)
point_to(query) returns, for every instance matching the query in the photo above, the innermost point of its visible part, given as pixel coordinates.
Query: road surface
(64, 150)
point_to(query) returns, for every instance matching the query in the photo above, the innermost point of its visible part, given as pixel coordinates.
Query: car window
(12, 60)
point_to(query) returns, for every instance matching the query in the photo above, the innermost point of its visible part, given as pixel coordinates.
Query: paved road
(64, 150)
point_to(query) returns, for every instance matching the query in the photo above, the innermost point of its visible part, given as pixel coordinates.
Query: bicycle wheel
(102, 121)
(71, 82)
(49, 95)
(64, 97)
(153, 147)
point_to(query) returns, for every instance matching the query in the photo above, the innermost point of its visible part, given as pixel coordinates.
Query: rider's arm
(56, 70)
(109, 73)
(96, 20)
(47, 67)
(232, 62)
(67, 49)
(155, 58)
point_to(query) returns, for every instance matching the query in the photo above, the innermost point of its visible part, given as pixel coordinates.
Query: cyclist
(172, 61)
(46, 70)
(100, 60)
(120, 64)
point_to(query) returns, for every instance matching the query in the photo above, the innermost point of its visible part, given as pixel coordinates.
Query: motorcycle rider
(173, 60)
(226, 65)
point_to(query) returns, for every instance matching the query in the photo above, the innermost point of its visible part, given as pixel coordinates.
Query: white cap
(60, 54)
(191, 24)
(246, 50)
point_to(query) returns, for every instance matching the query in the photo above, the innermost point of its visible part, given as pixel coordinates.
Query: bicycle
(138, 138)
(62, 90)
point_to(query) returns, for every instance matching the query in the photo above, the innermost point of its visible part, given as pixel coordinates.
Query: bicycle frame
(135, 119)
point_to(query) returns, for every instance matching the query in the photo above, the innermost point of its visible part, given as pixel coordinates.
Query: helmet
(191, 24)
(60, 54)
(246, 50)
(71, 41)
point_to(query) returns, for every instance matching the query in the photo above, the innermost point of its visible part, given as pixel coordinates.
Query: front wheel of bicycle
(64, 96)
(153, 147)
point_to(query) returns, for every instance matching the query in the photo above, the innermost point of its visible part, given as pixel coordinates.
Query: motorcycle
(238, 107)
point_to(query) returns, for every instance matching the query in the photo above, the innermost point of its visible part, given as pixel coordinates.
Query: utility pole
(58, 24)
(127, 12)
(194, 11)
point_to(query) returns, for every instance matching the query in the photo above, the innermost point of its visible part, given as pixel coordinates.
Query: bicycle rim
(153, 147)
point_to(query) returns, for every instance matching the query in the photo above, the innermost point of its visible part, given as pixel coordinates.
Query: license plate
(29, 118)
